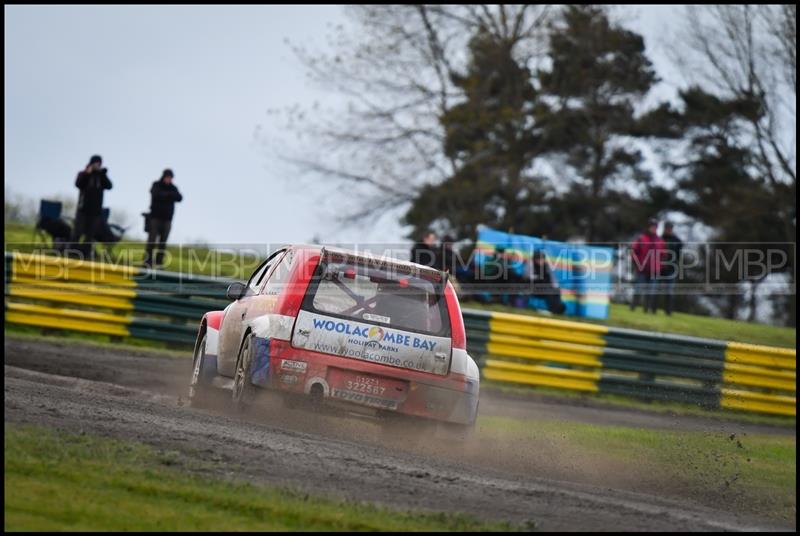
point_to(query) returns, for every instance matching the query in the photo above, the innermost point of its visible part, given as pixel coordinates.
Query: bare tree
(392, 66)
(748, 52)
(781, 22)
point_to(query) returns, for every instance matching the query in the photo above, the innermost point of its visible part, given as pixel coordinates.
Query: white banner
(377, 344)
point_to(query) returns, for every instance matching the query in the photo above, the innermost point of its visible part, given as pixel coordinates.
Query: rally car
(375, 335)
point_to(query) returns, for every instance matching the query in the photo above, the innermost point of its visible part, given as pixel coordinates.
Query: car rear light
(457, 332)
(291, 298)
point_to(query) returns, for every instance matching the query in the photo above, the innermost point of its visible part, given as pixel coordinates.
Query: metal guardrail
(123, 301)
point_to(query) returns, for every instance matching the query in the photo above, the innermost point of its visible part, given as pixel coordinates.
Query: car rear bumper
(450, 398)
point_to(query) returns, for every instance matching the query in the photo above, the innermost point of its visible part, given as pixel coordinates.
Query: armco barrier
(578, 356)
(51, 292)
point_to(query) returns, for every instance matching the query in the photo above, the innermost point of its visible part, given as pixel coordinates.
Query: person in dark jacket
(425, 253)
(496, 277)
(447, 255)
(543, 284)
(670, 264)
(163, 196)
(91, 182)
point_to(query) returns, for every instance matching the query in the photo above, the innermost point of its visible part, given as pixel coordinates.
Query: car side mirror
(235, 291)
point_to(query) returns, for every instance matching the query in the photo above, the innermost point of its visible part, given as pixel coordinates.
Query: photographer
(91, 182)
(164, 195)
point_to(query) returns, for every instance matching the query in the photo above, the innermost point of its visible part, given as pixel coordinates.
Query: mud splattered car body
(345, 329)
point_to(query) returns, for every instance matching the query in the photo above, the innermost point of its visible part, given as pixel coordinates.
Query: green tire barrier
(526, 350)
(124, 301)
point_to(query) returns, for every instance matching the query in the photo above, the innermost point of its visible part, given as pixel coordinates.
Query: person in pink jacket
(646, 254)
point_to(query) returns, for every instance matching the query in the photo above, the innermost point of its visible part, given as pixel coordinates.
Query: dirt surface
(141, 396)
(551, 408)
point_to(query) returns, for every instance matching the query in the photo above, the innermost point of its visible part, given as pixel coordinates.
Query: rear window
(381, 294)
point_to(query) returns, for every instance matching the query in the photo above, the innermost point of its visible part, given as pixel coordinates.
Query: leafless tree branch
(393, 64)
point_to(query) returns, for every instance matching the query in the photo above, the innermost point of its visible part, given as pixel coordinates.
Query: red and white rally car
(372, 334)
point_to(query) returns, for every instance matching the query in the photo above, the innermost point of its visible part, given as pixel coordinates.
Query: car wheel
(243, 391)
(199, 391)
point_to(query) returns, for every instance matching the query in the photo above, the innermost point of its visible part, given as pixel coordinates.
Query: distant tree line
(533, 119)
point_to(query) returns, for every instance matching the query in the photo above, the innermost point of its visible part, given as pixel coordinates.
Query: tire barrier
(123, 301)
(528, 350)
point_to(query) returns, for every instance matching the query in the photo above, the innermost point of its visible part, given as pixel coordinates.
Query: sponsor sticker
(296, 366)
(377, 318)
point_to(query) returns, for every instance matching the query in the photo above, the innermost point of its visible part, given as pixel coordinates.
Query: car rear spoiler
(432, 274)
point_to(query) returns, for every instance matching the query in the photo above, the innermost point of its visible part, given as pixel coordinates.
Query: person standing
(425, 253)
(163, 196)
(646, 253)
(447, 255)
(670, 265)
(543, 284)
(91, 182)
(495, 276)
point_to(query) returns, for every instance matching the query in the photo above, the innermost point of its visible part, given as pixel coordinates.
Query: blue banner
(583, 272)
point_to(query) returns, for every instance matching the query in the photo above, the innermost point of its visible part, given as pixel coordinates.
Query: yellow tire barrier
(51, 317)
(752, 354)
(540, 375)
(559, 352)
(548, 331)
(758, 402)
(76, 293)
(782, 380)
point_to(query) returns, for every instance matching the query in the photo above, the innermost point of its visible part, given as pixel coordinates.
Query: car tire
(201, 393)
(243, 392)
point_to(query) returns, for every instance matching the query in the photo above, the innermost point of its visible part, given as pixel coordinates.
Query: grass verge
(60, 481)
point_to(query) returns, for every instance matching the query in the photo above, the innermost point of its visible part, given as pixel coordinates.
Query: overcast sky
(185, 87)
